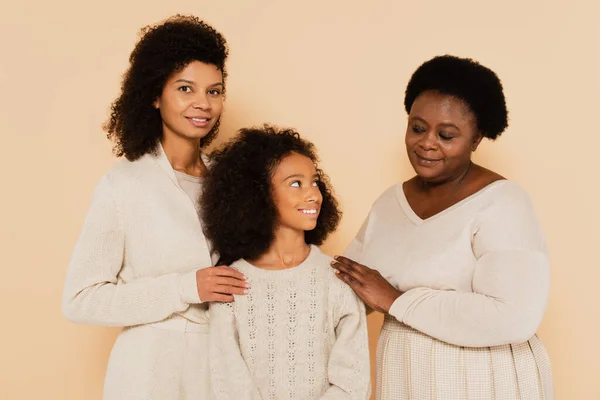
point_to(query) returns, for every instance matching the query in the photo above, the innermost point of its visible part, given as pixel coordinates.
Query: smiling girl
(299, 333)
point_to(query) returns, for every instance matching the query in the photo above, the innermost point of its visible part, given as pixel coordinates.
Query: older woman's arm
(510, 284)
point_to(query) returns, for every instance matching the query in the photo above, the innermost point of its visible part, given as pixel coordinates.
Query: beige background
(337, 72)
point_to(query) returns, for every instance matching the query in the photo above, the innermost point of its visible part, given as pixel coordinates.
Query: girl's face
(295, 193)
(191, 101)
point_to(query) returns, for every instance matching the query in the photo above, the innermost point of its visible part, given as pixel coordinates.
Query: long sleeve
(348, 367)
(354, 249)
(510, 284)
(230, 378)
(92, 294)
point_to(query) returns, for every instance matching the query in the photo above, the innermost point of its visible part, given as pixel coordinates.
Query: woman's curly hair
(237, 206)
(478, 86)
(135, 125)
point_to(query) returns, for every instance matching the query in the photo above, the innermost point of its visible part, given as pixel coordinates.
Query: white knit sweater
(141, 243)
(299, 334)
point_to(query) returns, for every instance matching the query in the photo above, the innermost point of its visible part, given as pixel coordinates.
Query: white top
(192, 186)
(141, 243)
(300, 333)
(476, 274)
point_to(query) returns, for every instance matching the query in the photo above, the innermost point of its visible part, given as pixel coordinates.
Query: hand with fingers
(369, 285)
(220, 283)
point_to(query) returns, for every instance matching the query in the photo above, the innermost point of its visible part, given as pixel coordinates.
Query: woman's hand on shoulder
(377, 293)
(220, 283)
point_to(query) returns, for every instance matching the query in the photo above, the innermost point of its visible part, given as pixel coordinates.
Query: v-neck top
(410, 213)
(474, 274)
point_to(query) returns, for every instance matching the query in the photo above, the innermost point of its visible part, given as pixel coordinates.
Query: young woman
(299, 333)
(140, 261)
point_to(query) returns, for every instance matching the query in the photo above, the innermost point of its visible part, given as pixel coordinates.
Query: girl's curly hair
(135, 125)
(237, 205)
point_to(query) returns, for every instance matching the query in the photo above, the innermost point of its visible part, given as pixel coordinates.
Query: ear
(156, 103)
(476, 140)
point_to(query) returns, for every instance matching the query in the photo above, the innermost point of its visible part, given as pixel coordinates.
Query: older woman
(455, 256)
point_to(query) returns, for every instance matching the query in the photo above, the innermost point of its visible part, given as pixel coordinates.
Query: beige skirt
(167, 360)
(414, 366)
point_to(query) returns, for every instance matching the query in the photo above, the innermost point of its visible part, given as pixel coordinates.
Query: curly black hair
(135, 125)
(478, 86)
(237, 205)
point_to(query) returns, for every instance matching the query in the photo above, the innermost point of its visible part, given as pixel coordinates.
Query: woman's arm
(510, 284)
(91, 293)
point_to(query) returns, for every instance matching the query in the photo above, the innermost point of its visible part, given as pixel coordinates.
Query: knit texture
(299, 334)
(141, 243)
(134, 266)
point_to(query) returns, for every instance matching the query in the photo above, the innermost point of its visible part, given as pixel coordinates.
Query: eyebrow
(193, 83)
(298, 176)
(449, 125)
(446, 124)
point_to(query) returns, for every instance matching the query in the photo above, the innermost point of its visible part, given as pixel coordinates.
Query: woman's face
(440, 137)
(191, 101)
(295, 193)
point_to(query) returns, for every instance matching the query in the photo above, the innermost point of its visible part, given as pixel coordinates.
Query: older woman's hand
(369, 285)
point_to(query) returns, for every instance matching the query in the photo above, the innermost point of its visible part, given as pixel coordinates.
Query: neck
(447, 186)
(287, 250)
(183, 154)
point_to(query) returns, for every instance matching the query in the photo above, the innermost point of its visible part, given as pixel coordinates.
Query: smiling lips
(309, 212)
(426, 161)
(199, 122)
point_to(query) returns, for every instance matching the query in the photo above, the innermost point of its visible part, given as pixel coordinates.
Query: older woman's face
(440, 137)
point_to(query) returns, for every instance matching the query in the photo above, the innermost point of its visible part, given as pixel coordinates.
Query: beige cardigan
(136, 258)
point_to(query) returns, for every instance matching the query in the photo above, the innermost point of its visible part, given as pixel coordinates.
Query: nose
(313, 194)
(201, 101)
(428, 140)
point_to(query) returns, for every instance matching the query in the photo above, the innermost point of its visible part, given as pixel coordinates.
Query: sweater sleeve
(349, 364)
(92, 294)
(354, 249)
(510, 284)
(230, 377)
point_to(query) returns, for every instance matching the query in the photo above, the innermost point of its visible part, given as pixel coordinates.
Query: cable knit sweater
(300, 334)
